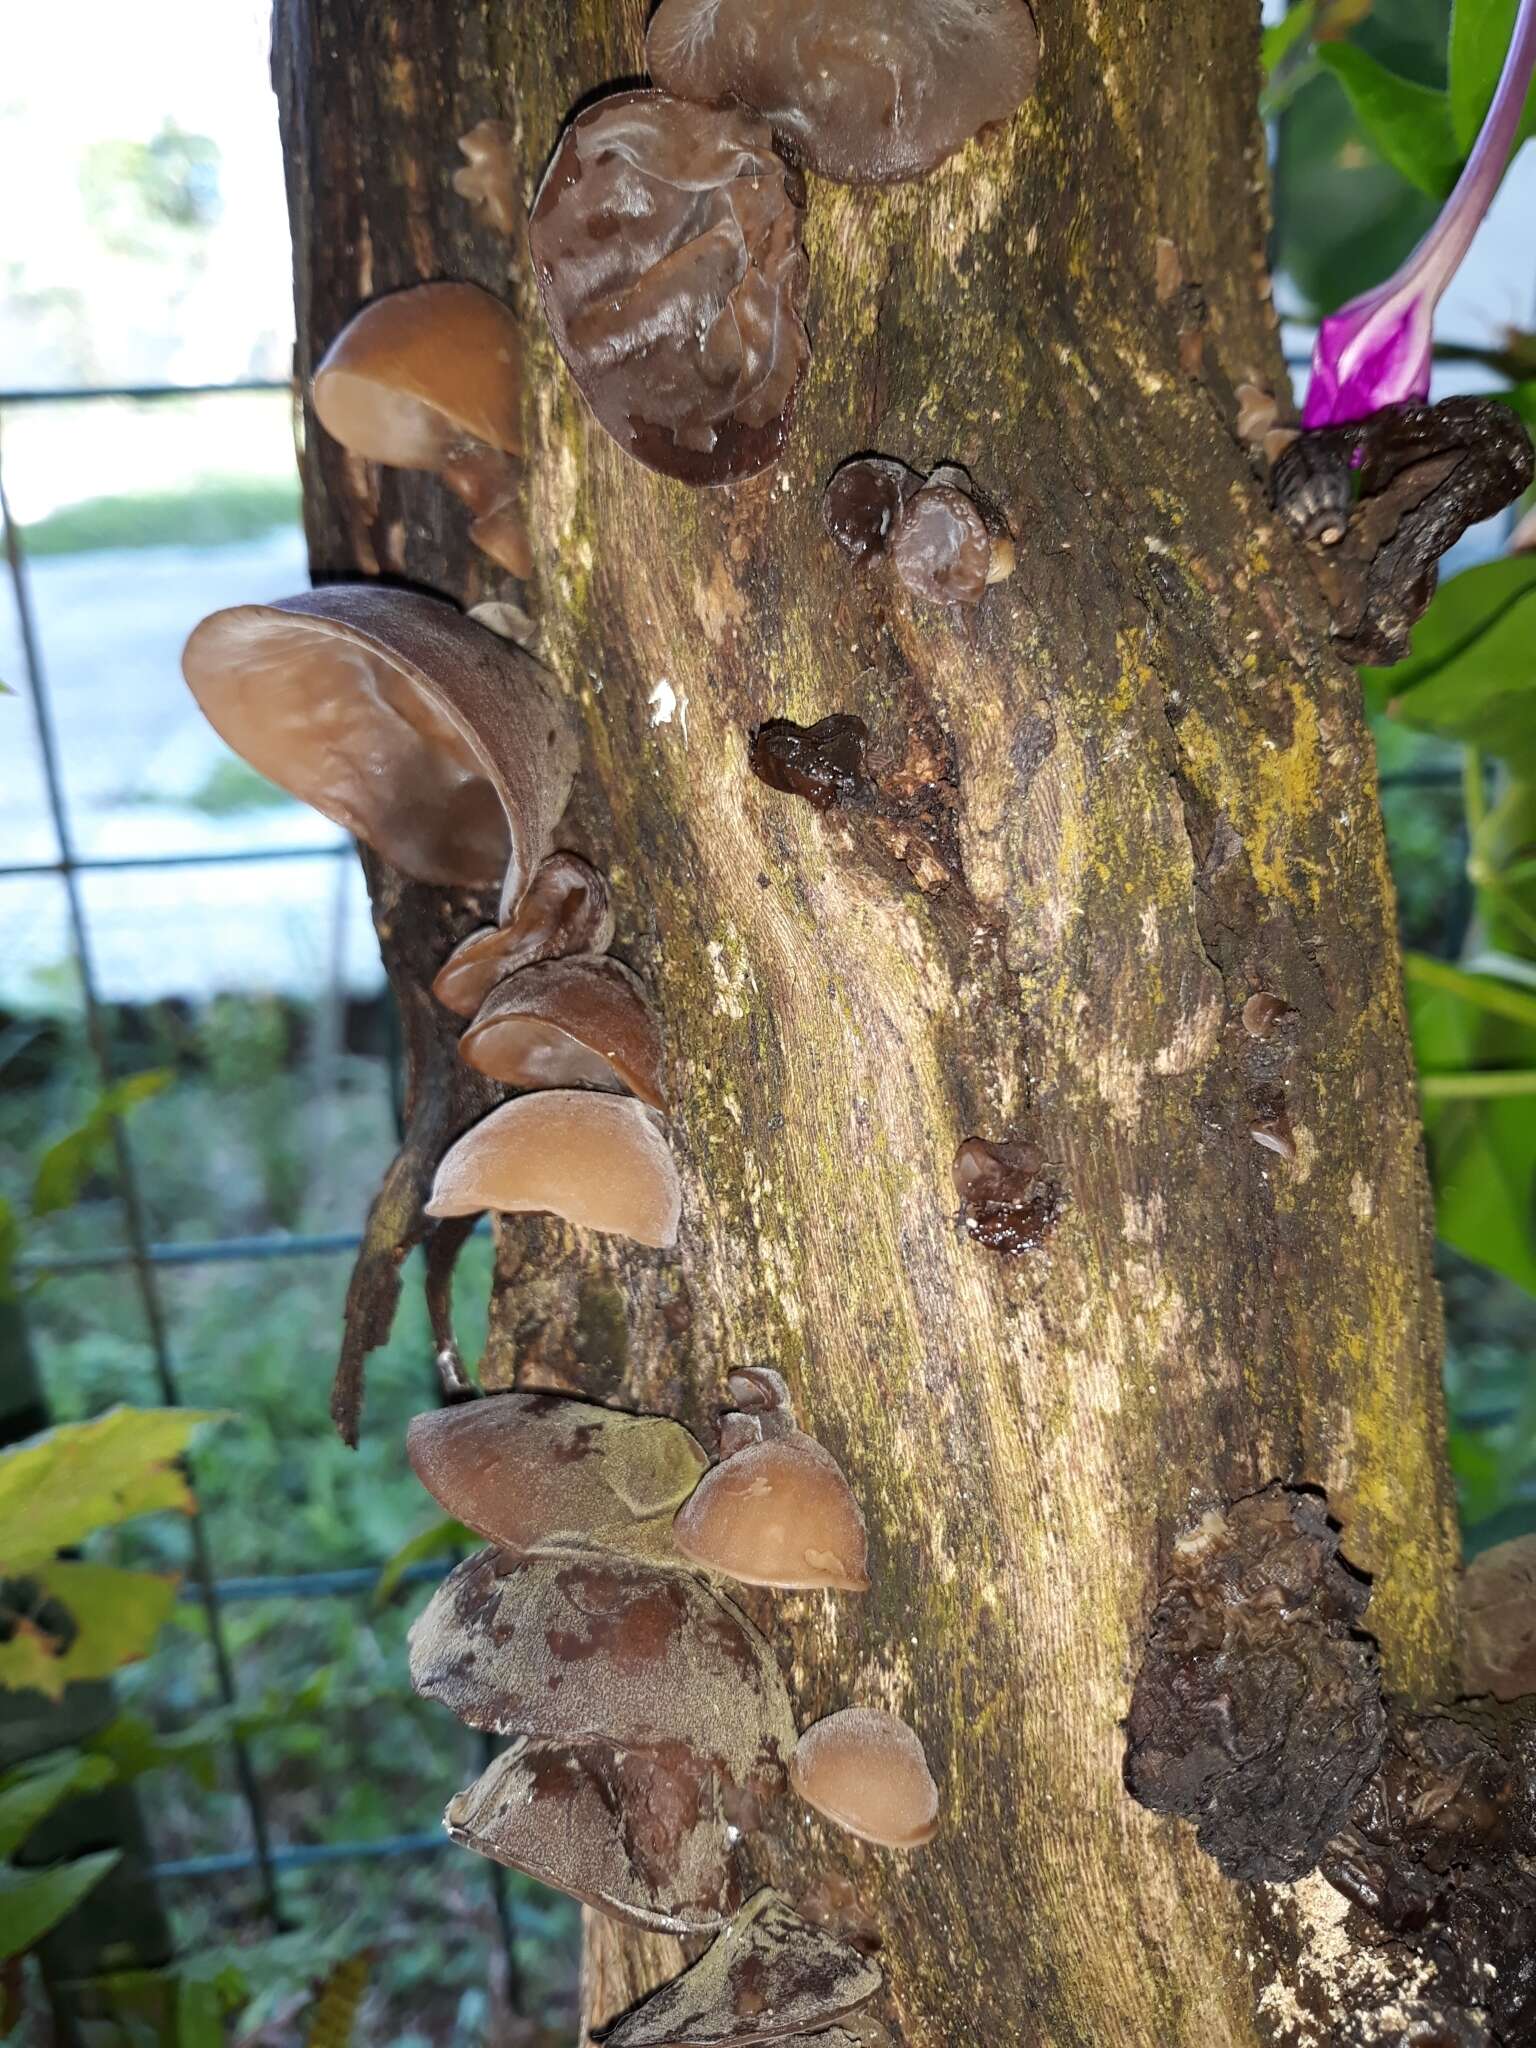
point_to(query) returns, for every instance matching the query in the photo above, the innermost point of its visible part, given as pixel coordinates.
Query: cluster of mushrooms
(649, 1731)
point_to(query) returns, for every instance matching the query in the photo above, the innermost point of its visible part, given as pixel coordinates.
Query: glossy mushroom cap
(567, 909)
(863, 503)
(640, 1835)
(666, 242)
(430, 378)
(537, 1473)
(578, 1649)
(582, 1023)
(1498, 1621)
(865, 91)
(777, 1513)
(941, 548)
(597, 1160)
(865, 1769)
(445, 749)
(769, 1975)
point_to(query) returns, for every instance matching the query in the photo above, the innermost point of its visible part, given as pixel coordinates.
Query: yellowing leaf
(58, 1487)
(67, 1621)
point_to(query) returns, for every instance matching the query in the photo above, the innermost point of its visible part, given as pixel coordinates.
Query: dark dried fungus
(825, 763)
(1439, 1850)
(541, 1475)
(666, 243)
(1257, 1711)
(769, 1976)
(641, 1836)
(941, 549)
(579, 1649)
(1009, 1201)
(865, 91)
(863, 502)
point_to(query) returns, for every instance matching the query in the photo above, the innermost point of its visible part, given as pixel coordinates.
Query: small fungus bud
(1257, 412)
(769, 1975)
(863, 502)
(1262, 1012)
(825, 763)
(575, 1023)
(1008, 1200)
(1313, 490)
(759, 1390)
(1274, 1134)
(777, 1513)
(666, 243)
(488, 178)
(865, 91)
(596, 1160)
(539, 1474)
(442, 747)
(430, 378)
(566, 909)
(1498, 1620)
(865, 1769)
(941, 548)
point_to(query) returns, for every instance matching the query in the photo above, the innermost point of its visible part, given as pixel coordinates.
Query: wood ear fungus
(770, 1974)
(598, 1161)
(864, 91)
(943, 544)
(865, 1769)
(430, 378)
(572, 1023)
(442, 747)
(666, 243)
(541, 1475)
(566, 909)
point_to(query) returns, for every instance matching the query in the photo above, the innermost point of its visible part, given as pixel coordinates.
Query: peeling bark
(1159, 795)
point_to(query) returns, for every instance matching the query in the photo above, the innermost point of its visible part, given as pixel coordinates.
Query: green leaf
(32, 1901)
(1408, 125)
(441, 1539)
(1480, 33)
(1484, 991)
(1472, 673)
(68, 1621)
(66, 1166)
(29, 1793)
(1521, 398)
(55, 1489)
(1287, 34)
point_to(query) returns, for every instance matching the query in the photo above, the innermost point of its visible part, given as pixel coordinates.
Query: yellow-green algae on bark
(1164, 798)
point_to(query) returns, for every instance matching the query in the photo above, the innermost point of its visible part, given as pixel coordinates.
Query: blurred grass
(206, 512)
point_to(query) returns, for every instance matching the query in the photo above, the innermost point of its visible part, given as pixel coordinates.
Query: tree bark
(1143, 791)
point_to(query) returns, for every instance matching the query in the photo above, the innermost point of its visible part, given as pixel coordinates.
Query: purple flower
(1375, 351)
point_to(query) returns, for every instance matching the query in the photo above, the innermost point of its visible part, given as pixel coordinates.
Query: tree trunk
(1138, 788)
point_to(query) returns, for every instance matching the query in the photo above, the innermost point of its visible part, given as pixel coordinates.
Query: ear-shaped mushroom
(605, 1649)
(777, 1513)
(1498, 1621)
(582, 1023)
(639, 1835)
(865, 91)
(942, 550)
(863, 502)
(537, 1473)
(666, 242)
(597, 1160)
(567, 909)
(768, 1975)
(431, 378)
(866, 1770)
(445, 749)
